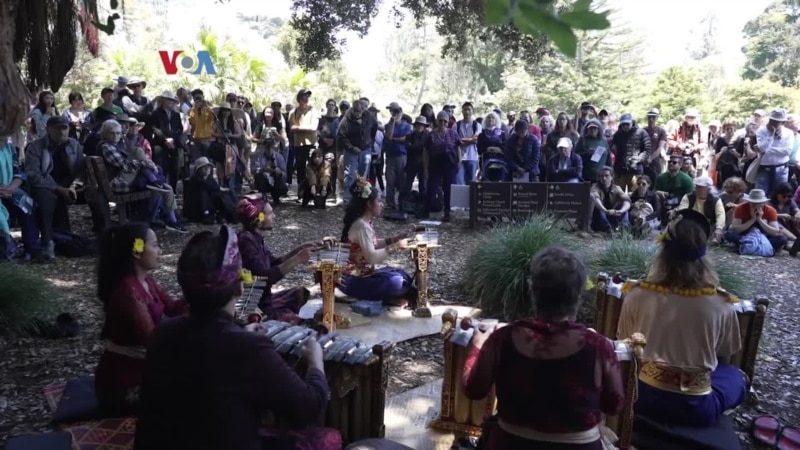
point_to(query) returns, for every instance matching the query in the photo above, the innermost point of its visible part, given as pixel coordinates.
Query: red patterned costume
(552, 379)
(131, 316)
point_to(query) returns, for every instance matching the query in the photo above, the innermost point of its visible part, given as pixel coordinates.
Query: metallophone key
(287, 345)
(358, 355)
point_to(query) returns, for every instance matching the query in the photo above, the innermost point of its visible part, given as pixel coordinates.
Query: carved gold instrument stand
(327, 272)
(420, 253)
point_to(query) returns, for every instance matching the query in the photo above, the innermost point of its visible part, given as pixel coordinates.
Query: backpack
(474, 126)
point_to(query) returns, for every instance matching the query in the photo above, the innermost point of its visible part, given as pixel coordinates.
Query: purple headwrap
(197, 284)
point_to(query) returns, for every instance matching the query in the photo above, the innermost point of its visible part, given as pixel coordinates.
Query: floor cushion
(78, 402)
(651, 435)
(43, 441)
(377, 444)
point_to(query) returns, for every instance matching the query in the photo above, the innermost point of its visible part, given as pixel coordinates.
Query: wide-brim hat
(202, 162)
(422, 120)
(778, 115)
(653, 112)
(125, 118)
(757, 196)
(137, 80)
(167, 95)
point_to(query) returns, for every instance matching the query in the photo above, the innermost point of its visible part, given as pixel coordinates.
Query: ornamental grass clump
(497, 271)
(632, 258)
(28, 303)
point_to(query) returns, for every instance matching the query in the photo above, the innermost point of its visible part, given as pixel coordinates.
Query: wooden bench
(751, 315)
(98, 180)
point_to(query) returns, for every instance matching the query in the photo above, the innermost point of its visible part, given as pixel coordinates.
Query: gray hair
(110, 126)
(557, 281)
(547, 118)
(492, 115)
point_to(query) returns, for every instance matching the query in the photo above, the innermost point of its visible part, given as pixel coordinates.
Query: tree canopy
(524, 28)
(773, 45)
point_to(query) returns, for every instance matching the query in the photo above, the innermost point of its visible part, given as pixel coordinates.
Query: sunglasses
(675, 162)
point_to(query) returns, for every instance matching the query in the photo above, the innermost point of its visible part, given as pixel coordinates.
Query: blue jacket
(526, 155)
(390, 148)
(575, 170)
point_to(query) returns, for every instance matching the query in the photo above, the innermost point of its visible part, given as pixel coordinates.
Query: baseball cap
(394, 106)
(57, 121)
(625, 118)
(653, 112)
(703, 181)
(564, 143)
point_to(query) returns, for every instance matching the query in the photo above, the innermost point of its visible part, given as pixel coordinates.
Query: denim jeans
(603, 222)
(395, 177)
(768, 178)
(466, 172)
(30, 229)
(355, 165)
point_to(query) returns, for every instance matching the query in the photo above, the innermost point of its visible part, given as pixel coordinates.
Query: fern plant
(27, 302)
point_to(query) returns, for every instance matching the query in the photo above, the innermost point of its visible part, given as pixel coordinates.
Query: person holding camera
(267, 163)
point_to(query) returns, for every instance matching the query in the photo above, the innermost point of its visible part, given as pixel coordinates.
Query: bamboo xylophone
(357, 376)
(751, 315)
(461, 415)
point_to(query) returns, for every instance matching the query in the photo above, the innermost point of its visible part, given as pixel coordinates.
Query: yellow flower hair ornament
(246, 276)
(261, 217)
(662, 237)
(138, 246)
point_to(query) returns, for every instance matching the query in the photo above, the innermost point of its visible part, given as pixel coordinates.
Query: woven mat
(106, 434)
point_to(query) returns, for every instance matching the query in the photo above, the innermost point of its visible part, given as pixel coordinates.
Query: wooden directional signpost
(520, 200)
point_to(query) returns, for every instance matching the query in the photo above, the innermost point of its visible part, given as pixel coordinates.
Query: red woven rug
(107, 434)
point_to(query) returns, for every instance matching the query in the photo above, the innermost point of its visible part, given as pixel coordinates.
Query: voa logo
(196, 65)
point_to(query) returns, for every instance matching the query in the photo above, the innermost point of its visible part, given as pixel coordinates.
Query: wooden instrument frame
(451, 385)
(751, 323)
(452, 393)
(357, 402)
(329, 272)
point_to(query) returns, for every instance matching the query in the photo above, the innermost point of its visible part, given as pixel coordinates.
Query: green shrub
(632, 258)
(27, 301)
(496, 272)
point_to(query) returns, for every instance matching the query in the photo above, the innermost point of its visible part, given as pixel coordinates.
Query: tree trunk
(15, 100)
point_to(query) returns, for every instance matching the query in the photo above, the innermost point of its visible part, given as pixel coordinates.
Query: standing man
(394, 144)
(654, 165)
(302, 121)
(774, 144)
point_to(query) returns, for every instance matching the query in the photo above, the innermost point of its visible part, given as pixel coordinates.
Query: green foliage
(496, 272)
(606, 72)
(674, 90)
(523, 28)
(741, 98)
(627, 255)
(541, 16)
(773, 45)
(28, 300)
(633, 259)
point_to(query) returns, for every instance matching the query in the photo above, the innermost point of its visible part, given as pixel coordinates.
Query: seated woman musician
(208, 381)
(361, 280)
(257, 217)
(134, 304)
(691, 328)
(553, 376)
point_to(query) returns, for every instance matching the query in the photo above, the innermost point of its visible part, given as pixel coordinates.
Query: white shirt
(775, 149)
(465, 130)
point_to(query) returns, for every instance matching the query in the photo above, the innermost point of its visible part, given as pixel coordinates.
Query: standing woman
(133, 303)
(361, 279)
(227, 132)
(440, 162)
(45, 109)
(78, 117)
(522, 152)
(563, 128)
(726, 154)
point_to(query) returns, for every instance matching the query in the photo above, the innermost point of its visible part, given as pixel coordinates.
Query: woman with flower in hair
(209, 381)
(691, 327)
(257, 217)
(134, 303)
(360, 278)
